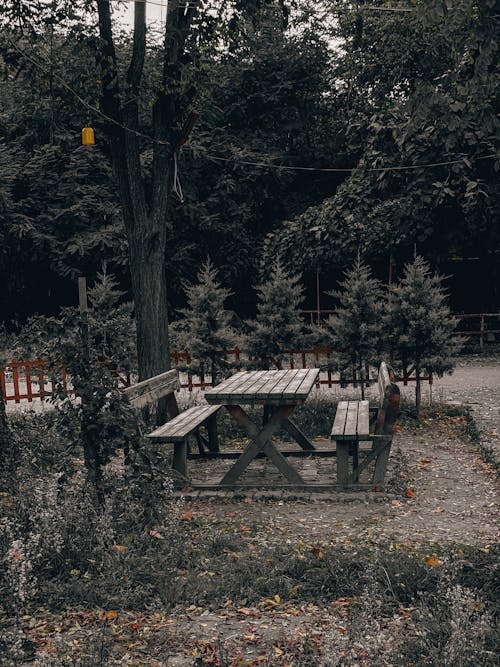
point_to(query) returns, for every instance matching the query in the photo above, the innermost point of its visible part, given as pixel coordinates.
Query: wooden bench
(177, 430)
(355, 423)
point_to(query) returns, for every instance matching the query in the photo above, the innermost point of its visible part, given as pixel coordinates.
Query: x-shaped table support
(261, 442)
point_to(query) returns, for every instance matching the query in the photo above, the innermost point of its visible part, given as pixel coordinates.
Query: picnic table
(279, 392)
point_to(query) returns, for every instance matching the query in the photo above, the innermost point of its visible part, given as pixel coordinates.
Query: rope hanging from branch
(183, 137)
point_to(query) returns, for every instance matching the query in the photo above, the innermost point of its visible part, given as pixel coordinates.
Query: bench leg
(213, 438)
(355, 461)
(381, 466)
(343, 449)
(179, 462)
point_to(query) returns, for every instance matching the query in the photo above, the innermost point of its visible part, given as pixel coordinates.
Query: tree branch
(167, 110)
(136, 67)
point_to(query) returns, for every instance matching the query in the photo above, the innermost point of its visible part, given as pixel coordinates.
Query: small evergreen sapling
(279, 325)
(356, 326)
(420, 325)
(205, 330)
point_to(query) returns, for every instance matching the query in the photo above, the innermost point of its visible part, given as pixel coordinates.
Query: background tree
(279, 325)
(205, 330)
(355, 329)
(418, 91)
(420, 324)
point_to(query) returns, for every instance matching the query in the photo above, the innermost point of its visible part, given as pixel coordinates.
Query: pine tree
(356, 326)
(205, 331)
(111, 322)
(279, 325)
(421, 328)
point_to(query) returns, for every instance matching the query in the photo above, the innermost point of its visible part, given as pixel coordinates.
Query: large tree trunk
(144, 206)
(150, 299)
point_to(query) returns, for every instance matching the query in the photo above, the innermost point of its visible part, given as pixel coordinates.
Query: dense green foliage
(321, 85)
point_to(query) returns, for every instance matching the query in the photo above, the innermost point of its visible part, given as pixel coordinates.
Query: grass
(60, 557)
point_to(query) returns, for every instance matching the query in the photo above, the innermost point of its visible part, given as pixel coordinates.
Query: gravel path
(475, 382)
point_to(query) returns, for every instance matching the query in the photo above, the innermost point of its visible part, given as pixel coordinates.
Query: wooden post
(317, 296)
(84, 326)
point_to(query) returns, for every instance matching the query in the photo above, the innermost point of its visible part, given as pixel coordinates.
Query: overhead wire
(344, 9)
(261, 163)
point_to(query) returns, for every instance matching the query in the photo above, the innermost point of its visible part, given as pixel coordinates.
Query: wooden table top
(259, 387)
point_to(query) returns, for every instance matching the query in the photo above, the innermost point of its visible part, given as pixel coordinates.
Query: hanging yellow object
(88, 136)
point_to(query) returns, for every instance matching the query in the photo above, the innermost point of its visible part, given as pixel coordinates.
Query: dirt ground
(453, 500)
(444, 494)
(441, 493)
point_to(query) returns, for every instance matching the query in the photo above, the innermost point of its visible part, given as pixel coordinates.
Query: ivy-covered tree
(419, 90)
(279, 326)
(205, 330)
(420, 324)
(356, 327)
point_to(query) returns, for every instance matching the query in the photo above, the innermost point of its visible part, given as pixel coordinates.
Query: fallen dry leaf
(410, 493)
(187, 515)
(433, 561)
(109, 615)
(155, 533)
(317, 553)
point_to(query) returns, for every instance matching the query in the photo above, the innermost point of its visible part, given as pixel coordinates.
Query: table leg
(293, 430)
(261, 442)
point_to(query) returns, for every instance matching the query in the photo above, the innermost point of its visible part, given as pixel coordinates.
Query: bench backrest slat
(383, 381)
(146, 392)
(389, 396)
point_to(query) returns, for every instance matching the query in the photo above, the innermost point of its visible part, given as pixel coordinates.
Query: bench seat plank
(181, 426)
(363, 427)
(351, 420)
(339, 423)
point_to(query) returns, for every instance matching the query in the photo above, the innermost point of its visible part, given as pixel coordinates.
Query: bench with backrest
(355, 423)
(177, 430)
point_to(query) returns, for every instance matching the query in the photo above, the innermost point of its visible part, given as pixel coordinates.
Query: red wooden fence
(484, 325)
(34, 379)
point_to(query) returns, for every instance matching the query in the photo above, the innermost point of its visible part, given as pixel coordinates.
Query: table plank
(214, 393)
(268, 388)
(295, 383)
(276, 393)
(262, 378)
(308, 382)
